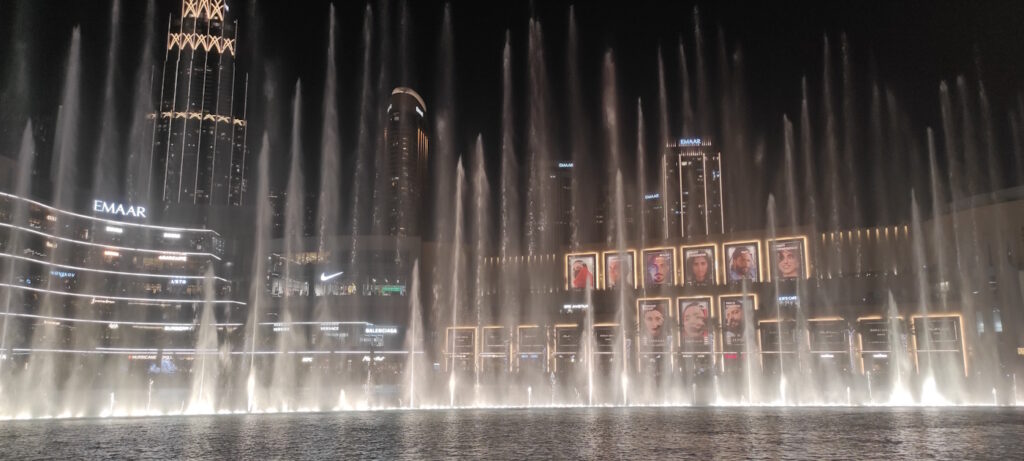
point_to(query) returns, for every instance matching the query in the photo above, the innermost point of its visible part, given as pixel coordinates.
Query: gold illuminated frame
(675, 265)
(860, 338)
(726, 262)
(517, 346)
(684, 300)
(963, 340)
(592, 254)
(720, 344)
(805, 252)
(834, 318)
(715, 261)
(668, 313)
(604, 266)
(449, 334)
(554, 350)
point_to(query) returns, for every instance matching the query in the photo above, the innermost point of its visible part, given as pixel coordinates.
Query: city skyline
(636, 74)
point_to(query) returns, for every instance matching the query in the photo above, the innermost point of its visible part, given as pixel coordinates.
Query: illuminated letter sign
(689, 142)
(119, 209)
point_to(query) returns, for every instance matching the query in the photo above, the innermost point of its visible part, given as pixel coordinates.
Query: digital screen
(495, 339)
(733, 315)
(604, 338)
(532, 340)
(653, 323)
(787, 259)
(694, 323)
(463, 341)
(659, 267)
(581, 271)
(699, 267)
(937, 333)
(618, 270)
(742, 262)
(778, 336)
(829, 336)
(567, 340)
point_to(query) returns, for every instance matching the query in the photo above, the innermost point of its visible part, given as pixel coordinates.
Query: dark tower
(405, 139)
(694, 176)
(200, 128)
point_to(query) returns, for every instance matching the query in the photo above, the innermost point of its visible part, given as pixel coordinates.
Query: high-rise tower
(199, 138)
(405, 139)
(694, 196)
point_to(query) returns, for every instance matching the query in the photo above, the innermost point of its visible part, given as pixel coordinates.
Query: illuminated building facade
(103, 282)
(693, 202)
(405, 138)
(199, 138)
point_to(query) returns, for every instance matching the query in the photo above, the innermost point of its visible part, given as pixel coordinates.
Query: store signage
(381, 330)
(120, 209)
(689, 142)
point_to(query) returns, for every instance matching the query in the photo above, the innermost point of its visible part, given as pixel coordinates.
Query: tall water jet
(43, 368)
(257, 298)
(361, 185)
(510, 224)
(899, 393)
(538, 213)
(107, 174)
(284, 377)
(578, 139)
(413, 340)
(139, 146)
(455, 294)
(382, 193)
(23, 184)
(688, 119)
(206, 366)
(329, 199)
(481, 199)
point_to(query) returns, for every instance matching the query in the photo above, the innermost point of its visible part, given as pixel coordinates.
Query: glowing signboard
(133, 211)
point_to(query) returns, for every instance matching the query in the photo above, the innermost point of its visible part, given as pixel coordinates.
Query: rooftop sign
(119, 209)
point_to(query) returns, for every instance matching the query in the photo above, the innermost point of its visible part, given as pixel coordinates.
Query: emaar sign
(119, 209)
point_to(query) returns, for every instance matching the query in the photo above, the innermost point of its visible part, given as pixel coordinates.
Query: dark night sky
(910, 46)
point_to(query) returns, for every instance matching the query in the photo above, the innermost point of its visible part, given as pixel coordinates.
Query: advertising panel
(619, 270)
(495, 340)
(788, 259)
(699, 266)
(652, 321)
(829, 336)
(937, 334)
(778, 336)
(659, 267)
(604, 338)
(733, 312)
(742, 261)
(580, 271)
(567, 339)
(532, 340)
(695, 323)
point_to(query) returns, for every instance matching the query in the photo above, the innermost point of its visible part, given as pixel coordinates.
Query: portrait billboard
(580, 271)
(742, 262)
(659, 267)
(695, 323)
(619, 270)
(699, 266)
(652, 321)
(733, 312)
(788, 259)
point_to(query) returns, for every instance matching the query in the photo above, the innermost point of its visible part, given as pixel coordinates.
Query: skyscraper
(405, 140)
(694, 197)
(199, 139)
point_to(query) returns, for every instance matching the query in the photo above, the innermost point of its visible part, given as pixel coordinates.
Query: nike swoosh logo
(324, 277)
